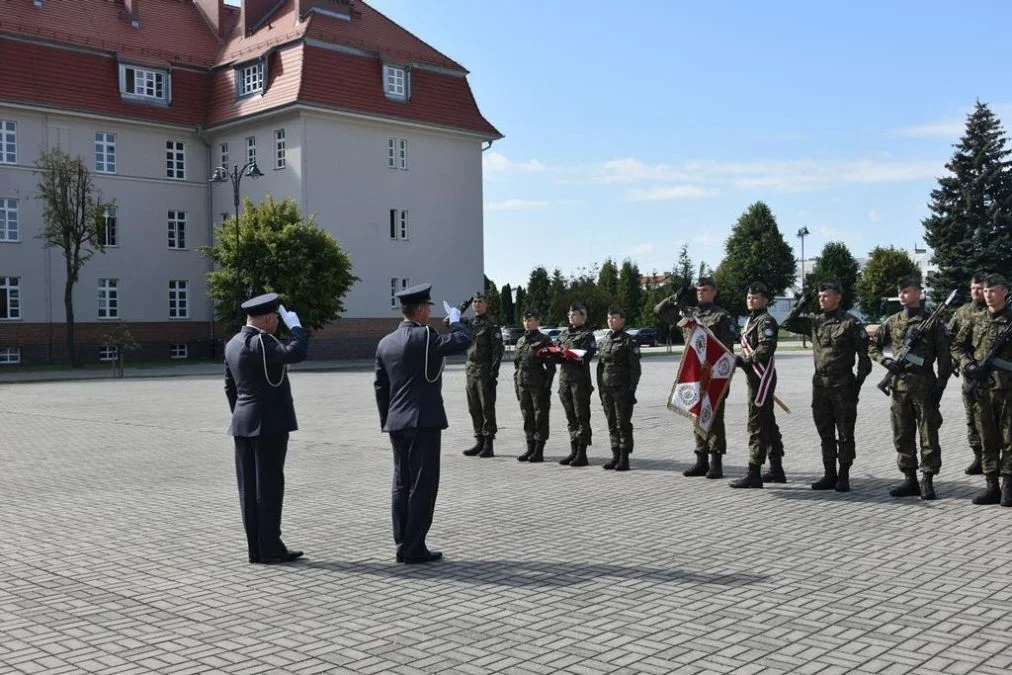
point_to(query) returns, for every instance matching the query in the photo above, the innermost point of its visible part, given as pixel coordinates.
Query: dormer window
(143, 83)
(395, 82)
(251, 78)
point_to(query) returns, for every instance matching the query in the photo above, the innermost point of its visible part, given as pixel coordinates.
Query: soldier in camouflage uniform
(618, 374)
(993, 405)
(483, 359)
(959, 319)
(575, 385)
(759, 343)
(838, 338)
(532, 378)
(709, 449)
(916, 391)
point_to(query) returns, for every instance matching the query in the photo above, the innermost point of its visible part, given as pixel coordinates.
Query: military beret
(758, 288)
(616, 309)
(996, 280)
(261, 304)
(478, 295)
(532, 314)
(830, 285)
(577, 306)
(416, 295)
(908, 281)
(706, 281)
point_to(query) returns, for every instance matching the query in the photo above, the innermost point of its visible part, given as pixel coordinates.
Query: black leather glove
(739, 362)
(934, 398)
(892, 365)
(972, 370)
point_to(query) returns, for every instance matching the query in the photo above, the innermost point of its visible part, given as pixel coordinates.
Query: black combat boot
(581, 455)
(1006, 490)
(539, 453)
(716, 466)
(975, 468)
(623, 460)
(486, 448)
(753, 479)
(928, 487)
(990, 494)
(776, 472)
(479, 442)
(701, 466)
(909, 486)
(614, 460)
(843, 478)
(573, 445)
(829, 477)
(527, 455)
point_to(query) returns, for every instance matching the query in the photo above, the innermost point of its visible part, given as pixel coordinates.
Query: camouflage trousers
(764, 437)
(575, 396)
(716, 442)
(535, 402)
(481, 393)
(993, 408)
(835, 415)
(972, 435)
(618, 410)
(912, 420)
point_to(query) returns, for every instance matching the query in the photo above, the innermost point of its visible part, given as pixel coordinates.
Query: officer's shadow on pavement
(531, 574)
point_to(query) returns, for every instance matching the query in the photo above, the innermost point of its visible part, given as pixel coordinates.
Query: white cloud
(951, 130)
(517, 205)
(496, 164)
(874, 216)
(667, 193)
(706, 240)
(639, 249)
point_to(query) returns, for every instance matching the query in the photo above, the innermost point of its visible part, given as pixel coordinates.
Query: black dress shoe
(430, 556)
(287, 556)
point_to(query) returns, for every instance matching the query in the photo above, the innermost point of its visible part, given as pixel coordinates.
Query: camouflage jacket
(618, 362)
(486, 350)
(838, 338)
(918, 372)
(577, 337)
(720, 323)
(974, 341)
(761, 335)
(530, 370)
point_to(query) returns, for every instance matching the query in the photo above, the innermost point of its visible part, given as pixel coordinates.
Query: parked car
(644, 337)
(552, 333)
(511, 335)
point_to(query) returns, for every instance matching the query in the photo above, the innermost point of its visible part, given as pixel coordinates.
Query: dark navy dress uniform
(260, 397)
(410, 402)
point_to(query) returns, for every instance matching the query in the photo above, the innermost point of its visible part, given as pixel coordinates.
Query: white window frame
(11, 288)
(223, 154)
(175, 160)
(250, 78)
(397, 284)
(179, 351)
(105, 152)
(10, 356)
(177, 230)
(146, 83)
(110, 227)
(179, 299)
(8, 142)
(395, 82)
(10, 220)
(280, 161)
(402, 154)
(108, 299)
(108, 353)
(391, 153)
(398, 224)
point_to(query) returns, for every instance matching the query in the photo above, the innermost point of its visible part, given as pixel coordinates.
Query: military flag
(704, 375)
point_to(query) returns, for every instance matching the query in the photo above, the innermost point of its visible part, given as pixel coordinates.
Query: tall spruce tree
(755, 251)
(508, 314)
(970, 227)
(538, 294)
(493, 299)
(607, 278)
(630, 292)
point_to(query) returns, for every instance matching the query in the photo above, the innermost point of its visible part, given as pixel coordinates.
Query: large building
(356, 119)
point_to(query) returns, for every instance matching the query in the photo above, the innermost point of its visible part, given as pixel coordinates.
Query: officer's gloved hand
(739, 362)
(290, 319)
(892, 365)
(972, 370)
(452, 313)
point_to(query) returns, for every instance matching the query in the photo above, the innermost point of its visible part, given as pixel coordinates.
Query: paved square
(122, 549)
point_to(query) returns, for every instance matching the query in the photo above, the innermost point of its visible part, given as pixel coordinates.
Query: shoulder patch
(769, 332)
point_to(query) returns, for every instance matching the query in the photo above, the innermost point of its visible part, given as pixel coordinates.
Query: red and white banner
(704, 375)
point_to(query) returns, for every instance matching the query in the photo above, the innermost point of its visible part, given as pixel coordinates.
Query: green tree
(607, 277)
(509, 317)
(755, 251)
(493, 299)
(556, 289)
(682, 274)
(630, 292)
(835, 262)
(877, 282)
(282, 253)
(73, 217)
(970, 226)
(584, 288)
(538, 290)
(521, 304)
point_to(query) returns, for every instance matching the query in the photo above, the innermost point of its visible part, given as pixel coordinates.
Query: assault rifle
(913, 338)
(991, 361)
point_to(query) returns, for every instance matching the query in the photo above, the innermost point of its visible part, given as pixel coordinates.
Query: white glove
(291, 319)
(452, 313)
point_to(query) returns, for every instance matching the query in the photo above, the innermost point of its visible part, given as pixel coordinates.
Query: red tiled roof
(284, 74)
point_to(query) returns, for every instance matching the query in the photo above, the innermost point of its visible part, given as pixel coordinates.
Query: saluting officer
(618, 375)
(532, 378)
(483, 359)
(260, 398)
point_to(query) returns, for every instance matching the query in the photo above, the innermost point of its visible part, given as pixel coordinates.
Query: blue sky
(634, 127)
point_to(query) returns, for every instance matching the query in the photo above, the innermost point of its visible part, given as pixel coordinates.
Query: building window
(223, 152)
(108, 353)
(251, 78)
(397, 284)
(225, 217)
(10, 356)
(8, 142)
(395, 82)
(397, 153)
(279, 149)
(109, 234)
(179, 351)
(177, 229)
(398, 224)
(175, 159)
(10, 229)
(179, 299)
(251, 149)
(10, 298)
(144, 83)
(108, 298)
(105, 152)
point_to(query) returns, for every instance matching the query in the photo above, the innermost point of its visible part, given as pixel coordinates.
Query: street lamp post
(223, 175)
(802, 233)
